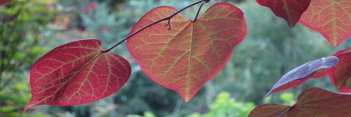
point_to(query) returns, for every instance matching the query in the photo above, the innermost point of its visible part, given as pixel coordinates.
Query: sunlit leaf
(290, 10)
(77, 73)
(341, 74)
(191, 53)
(297, 76)
(314, 102)
(331, 18)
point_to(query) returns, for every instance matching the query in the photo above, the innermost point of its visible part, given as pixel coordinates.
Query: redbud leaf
(77, 73)
(331, 18)
(290, 10)
(297, 76)
(191, 53)
(269, 110)
(314, 102)
(340, 75)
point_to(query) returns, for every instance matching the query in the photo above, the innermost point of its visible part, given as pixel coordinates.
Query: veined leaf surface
(290, 10)
(191, 53)
(341, 74)
(77, 73)
(269, 110)
(331, 18)
(314, 102)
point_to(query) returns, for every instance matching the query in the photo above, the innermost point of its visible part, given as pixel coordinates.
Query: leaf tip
(187, 98)
(292, 25)
(334, 43)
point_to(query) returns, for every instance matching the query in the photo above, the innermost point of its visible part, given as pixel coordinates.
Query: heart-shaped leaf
(191, 53)
(340, 75)
(331, 18)
(77, 73)
(297, 76)
(290, 10)
(314, 102)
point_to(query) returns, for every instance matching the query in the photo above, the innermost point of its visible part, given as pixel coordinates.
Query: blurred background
(30, 28)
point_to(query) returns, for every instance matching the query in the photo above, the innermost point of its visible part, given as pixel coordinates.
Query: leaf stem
(164, 19)
(343, 53)
(198, 11)
(286, 112)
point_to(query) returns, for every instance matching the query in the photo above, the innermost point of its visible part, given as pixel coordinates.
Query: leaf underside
(191, 53)
(331, 18)
(314, 102)
(77, 73)
(290, 10)
(297, 76)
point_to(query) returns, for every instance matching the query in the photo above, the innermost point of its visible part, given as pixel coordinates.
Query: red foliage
(77, 73)
(331, 18)
(341, 75)
(314, 102)
(185, 57)
(296, 77)
(290, 10)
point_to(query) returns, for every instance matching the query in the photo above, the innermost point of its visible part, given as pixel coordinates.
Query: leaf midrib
(287, 11)
(66, 82)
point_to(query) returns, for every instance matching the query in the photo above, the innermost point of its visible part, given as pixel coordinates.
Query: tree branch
(164, 19)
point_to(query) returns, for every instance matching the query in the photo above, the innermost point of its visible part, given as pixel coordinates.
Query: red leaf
(297, 76)
(269, 110)
(4, 1)
(341, 74)
(290, 10)
(191, 53)
(314, 102)
(77, 73)
(331, 18)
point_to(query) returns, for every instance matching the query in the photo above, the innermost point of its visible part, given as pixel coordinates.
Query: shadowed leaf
(269, 110)
(314, 102)
(290, 10)
(77, 73)
(340, 75)
(297, 76)
(331, 18)
(191, 53)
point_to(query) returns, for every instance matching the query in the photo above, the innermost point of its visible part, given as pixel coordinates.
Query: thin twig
(164, 19)
(198, 12)
(169, 24)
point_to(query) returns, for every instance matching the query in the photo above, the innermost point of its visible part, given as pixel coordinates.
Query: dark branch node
(169, 24)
